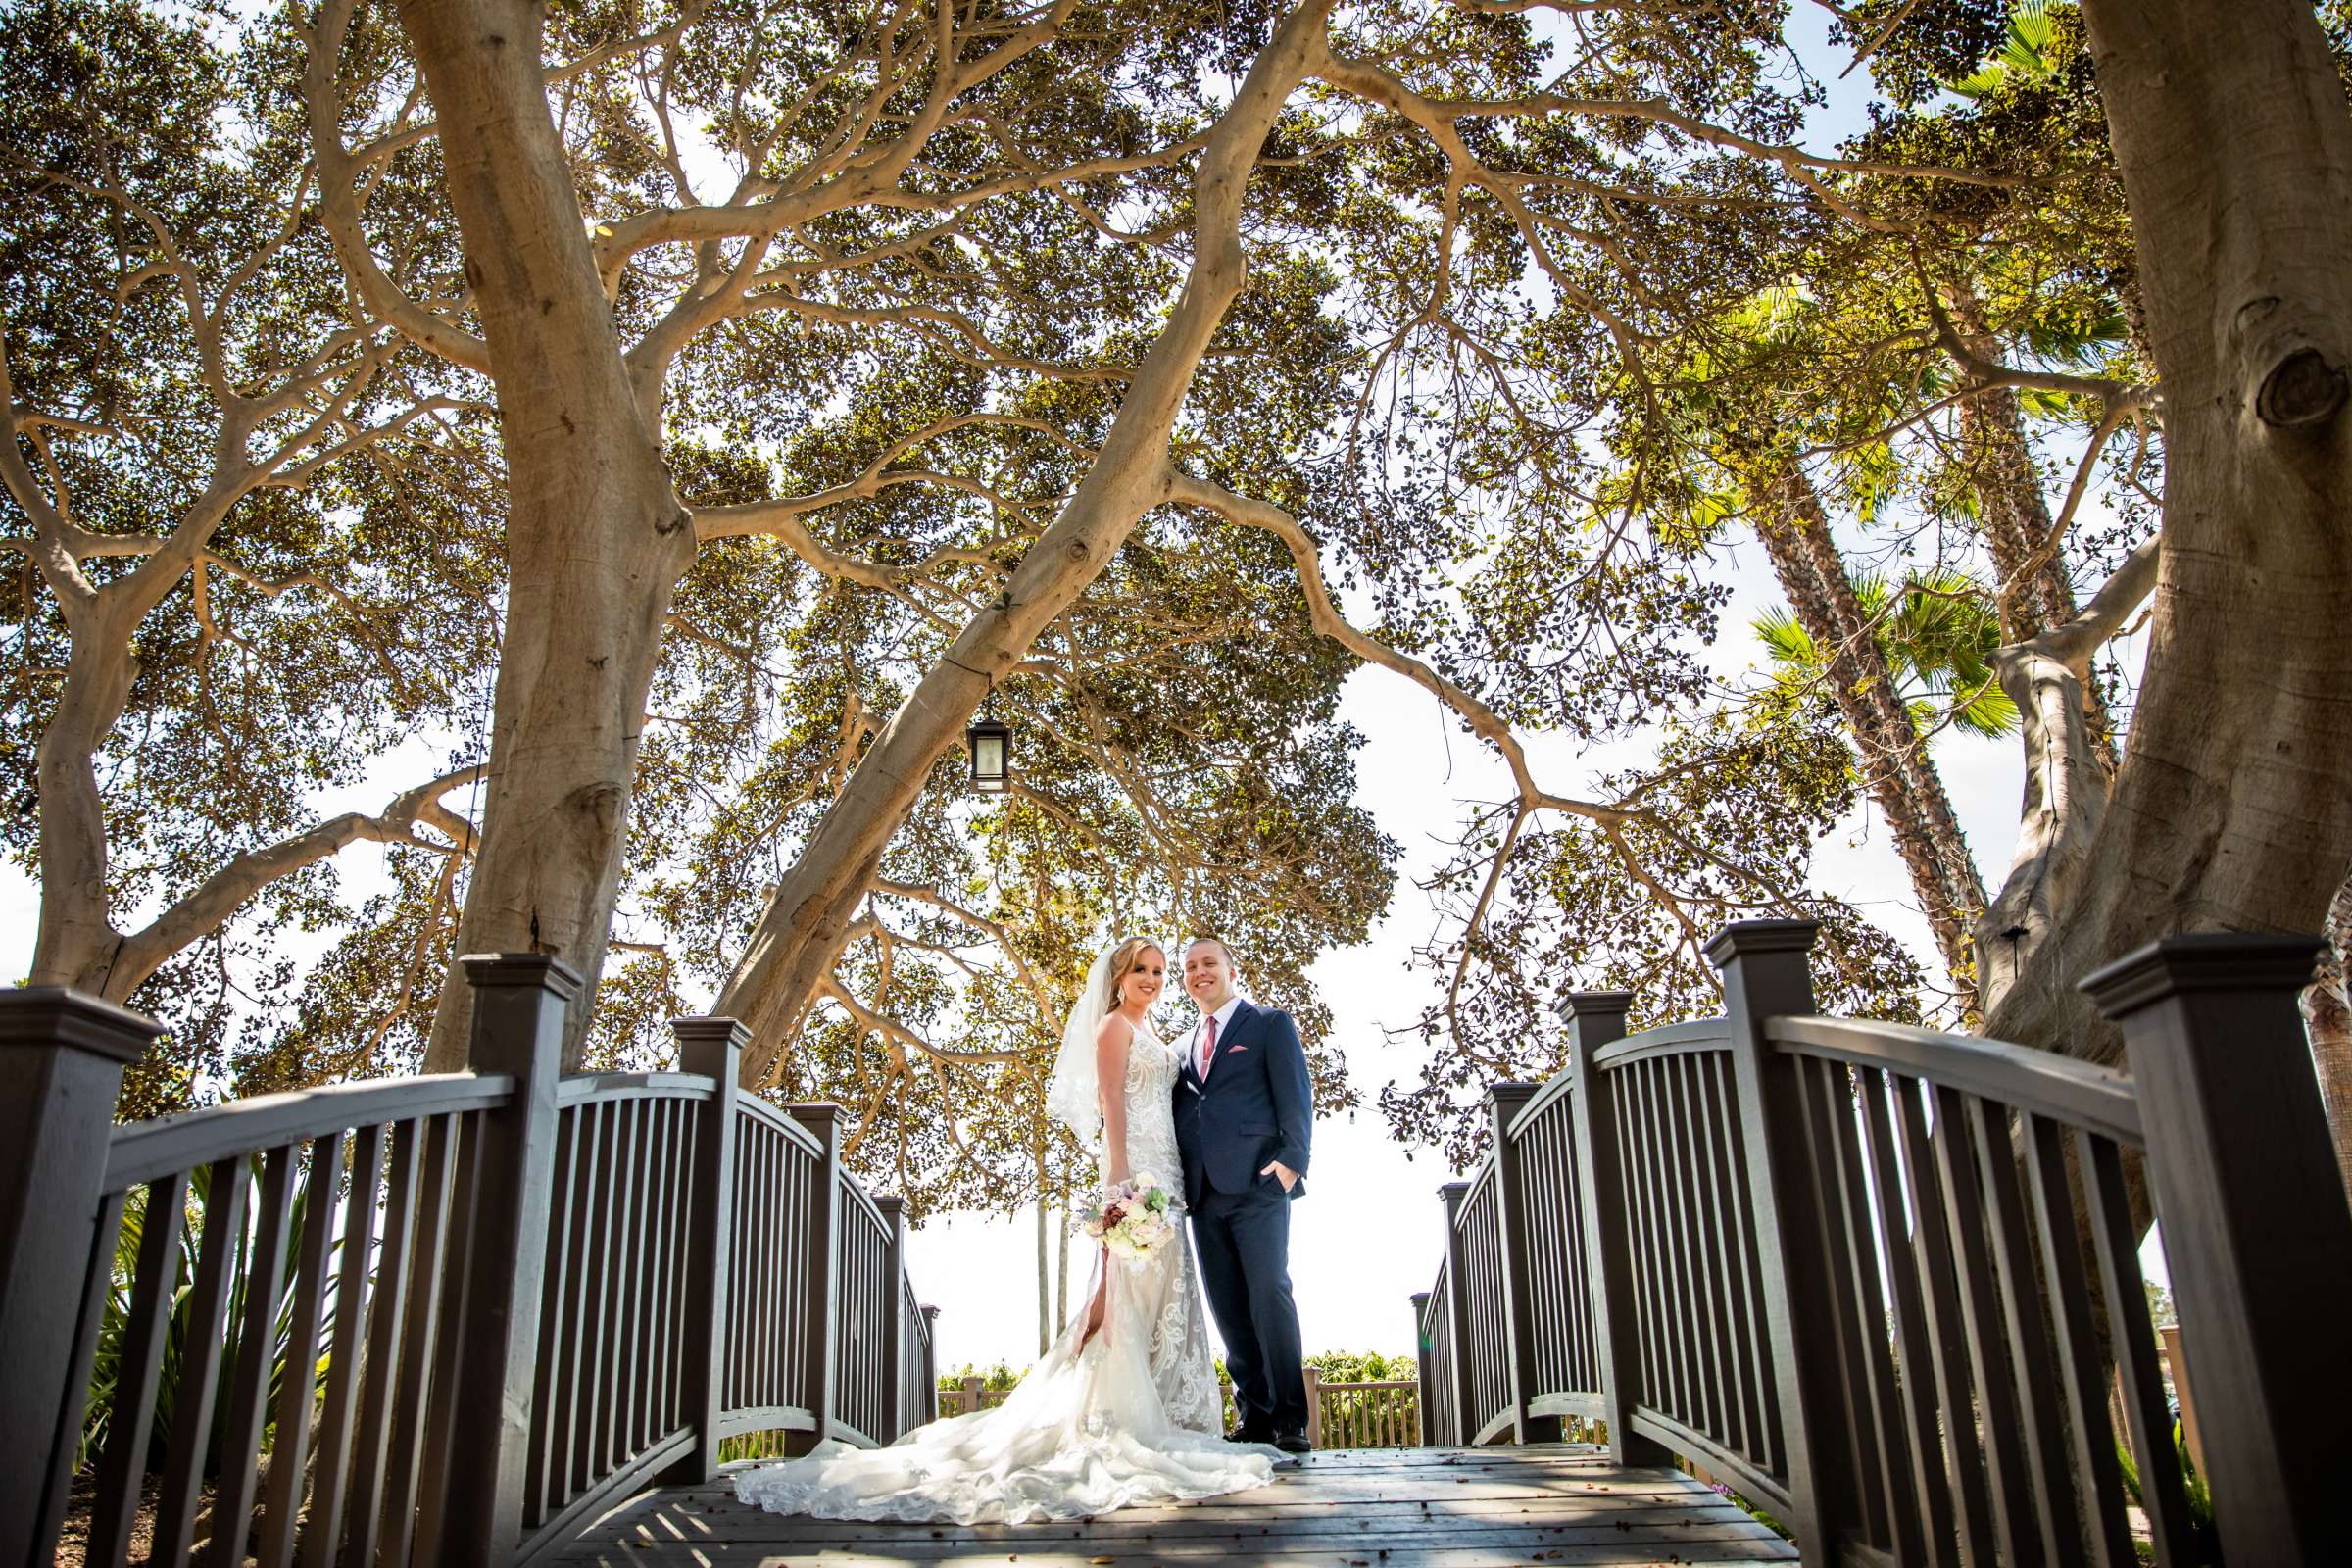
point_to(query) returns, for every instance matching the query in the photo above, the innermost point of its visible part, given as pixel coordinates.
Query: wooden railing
(1872, 1276)
(438, 1319)
(1379, 1414)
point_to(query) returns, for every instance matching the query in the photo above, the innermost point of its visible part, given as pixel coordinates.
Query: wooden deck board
(1377, 1508)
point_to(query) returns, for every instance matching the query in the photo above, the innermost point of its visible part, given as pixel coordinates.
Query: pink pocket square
(1233, 1050)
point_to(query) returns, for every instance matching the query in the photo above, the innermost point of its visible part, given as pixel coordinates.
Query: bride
(1124, 1409)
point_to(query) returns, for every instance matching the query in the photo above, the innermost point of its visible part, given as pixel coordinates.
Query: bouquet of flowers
(1130, 1217)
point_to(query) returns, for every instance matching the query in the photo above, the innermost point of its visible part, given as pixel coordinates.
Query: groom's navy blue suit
(1257, 1106)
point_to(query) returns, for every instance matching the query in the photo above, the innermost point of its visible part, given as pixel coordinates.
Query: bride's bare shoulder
(1113, 1033)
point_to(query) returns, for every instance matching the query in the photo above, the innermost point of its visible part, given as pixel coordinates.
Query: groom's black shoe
(1293, 1442)
(1245, 1435)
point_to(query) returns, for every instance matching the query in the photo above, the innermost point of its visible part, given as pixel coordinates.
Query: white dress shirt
(1224, 1017)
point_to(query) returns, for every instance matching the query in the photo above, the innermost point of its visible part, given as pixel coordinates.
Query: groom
(1243, 1115)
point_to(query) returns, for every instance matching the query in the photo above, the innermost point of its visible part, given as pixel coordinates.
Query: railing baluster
(1750, 1350)
(322, 1530)
(1522, 1262)
(1597, 1018)
(2027, 1330)
(567, 1213)
(1947, 1341)
(138, 1373)
(1700, 1232)
(620, 1341)
(373, 1465)
(249, 1379)
(2133, 1340)
(445, 1391)
(200, 1356)
(1981, 1320)
(1654, 1382)
(894, 1325)
(413, 1349)
(1890, 1515)
(2081, 1362)
(1923, 1431)
(299, 1388)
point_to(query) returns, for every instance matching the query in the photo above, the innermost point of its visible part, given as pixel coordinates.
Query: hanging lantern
(991, 744)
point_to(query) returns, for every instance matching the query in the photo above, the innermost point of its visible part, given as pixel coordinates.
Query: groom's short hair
(1220, 942)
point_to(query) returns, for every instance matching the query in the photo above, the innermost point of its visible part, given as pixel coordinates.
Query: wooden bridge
(1871, 1277)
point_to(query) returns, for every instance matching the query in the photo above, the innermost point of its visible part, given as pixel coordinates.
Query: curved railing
(1872, 1276)
(1969, 1355)
(432, 1318)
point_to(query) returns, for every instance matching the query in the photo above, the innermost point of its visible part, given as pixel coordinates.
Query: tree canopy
(650, 443)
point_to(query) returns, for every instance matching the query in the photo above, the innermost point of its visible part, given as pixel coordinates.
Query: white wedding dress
(1133, 1417)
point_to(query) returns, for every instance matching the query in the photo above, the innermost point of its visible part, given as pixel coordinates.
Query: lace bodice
(1152, 1066)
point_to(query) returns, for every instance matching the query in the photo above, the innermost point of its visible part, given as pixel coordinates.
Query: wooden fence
(442, 1319)
(1340, 1415)
(1872, 1276)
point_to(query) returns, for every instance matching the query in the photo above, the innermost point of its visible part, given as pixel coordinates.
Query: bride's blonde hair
(1122, 963)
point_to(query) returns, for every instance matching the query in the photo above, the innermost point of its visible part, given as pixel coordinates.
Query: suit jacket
(1257, 1106)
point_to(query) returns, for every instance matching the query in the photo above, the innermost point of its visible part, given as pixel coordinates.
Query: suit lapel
(1233, 1026)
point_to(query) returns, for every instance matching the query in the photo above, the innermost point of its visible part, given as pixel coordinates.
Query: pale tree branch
(2066, 783)
(210, 904)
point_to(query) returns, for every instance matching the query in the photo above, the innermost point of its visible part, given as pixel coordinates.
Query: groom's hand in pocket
(1281, 1173)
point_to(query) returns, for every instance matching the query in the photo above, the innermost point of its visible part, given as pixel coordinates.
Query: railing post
(1595, 1018)
(822, 1118)
(1314, 1408)
(930, 1364)
(62, 1055)
(520, 1002)
(1767, 974)
(893, 1209)
(971, 1396)
(1457, 1318)
(1421, 1406)
(714, 1047)
(2256, 1231)
(1504, 1101)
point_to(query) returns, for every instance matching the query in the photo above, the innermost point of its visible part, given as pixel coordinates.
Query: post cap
(1451, 1193)
(488, 970)
(31, 1016)
(2203, 960)
(1593, 1004)
(1743, 939)
(891, 1205)
(819, 1116)
(701, 1030)
(1513, 1094)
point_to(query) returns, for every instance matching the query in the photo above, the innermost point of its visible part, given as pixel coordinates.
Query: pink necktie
(1209, 1046)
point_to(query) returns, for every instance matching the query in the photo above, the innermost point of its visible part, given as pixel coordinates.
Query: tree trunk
(596, 538)
(77, 938)
(801, 933)
(2328, 1019)
(2014, 515)
(2231, 810)
(1895, 769)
